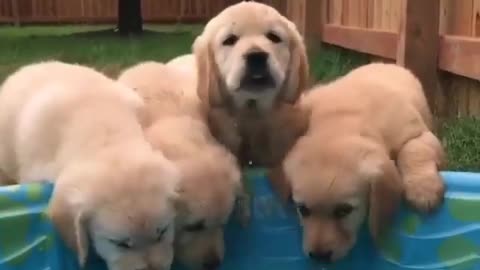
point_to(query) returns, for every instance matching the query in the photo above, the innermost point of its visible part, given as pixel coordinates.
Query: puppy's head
(207, 196)
(125, 206)
(334, 186)
(250, 54)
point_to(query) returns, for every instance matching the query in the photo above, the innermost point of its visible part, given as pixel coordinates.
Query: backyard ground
(99, 47)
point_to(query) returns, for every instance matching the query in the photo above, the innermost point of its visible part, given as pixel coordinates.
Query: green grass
(461, 138)
(329, 62)
(111, 53)
(108, 51)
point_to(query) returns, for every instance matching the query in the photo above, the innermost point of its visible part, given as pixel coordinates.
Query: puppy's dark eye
(160, 233)
(303, 210)
(230, 40)
(125, 244)
(273, 37)
(342, 210)
(195, 227)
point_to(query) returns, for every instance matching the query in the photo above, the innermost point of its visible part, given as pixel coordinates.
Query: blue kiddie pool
(448, 239)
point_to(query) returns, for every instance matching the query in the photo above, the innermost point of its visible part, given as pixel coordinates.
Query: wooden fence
(439, 40)
(105, 11)
(434, 38)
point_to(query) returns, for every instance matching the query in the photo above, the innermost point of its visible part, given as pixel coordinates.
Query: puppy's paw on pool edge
(425, 192)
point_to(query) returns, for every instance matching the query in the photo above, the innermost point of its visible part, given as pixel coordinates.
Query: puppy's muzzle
(257, 75)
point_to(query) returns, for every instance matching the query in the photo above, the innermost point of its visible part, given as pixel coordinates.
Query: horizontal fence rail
(425, 36)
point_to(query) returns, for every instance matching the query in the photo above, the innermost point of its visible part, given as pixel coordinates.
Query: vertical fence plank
(350, 12)
(476, 18)
(377, 14)
(444, 18)
(344, 12)
(335, 8)
(474, 91)
(386, 16)
(474, 99)
(370, 13)
(460, 22)
(418, 47)
(363, 13)
(314, 20)
(295, 12)
(15, 12)
(395, 12)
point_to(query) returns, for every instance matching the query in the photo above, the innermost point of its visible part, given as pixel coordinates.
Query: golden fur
(73, 126)
(368, 144)
(211, 178)
(241, 110)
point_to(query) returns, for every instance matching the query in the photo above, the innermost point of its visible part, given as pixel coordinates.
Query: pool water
(448, 239)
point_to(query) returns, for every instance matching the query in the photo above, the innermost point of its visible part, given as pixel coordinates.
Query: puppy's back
(44, 107)
(399, 80)
(185, 63)
(166, 91)
(381, 100)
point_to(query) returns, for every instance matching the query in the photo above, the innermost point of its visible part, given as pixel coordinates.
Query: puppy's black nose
(325, 257)
(257, 72)
(212, 263)
(257, 63)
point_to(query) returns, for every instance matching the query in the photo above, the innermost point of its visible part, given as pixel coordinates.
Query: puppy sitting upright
(211, 179)
(74, 126)
(251, 65)
(368, 143)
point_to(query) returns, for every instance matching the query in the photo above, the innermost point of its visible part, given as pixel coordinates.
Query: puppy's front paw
(418, 162)
(424, 192)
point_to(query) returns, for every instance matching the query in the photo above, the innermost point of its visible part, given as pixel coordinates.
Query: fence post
(418, 47)
(308, 15)
(15, 12)
(314, 20)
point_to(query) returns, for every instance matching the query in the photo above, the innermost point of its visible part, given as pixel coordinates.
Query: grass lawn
(106, 51)
(110, 53)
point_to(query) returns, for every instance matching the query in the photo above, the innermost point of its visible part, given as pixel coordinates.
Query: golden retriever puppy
(367, 145)
(72, 125)
(211, 178)
(251, 62)
(185, 63)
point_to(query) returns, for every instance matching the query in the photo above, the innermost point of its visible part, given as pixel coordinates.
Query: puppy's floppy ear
(208, 80)
(297, 159)
(298, 74)
(68, 214)
(386, 191)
